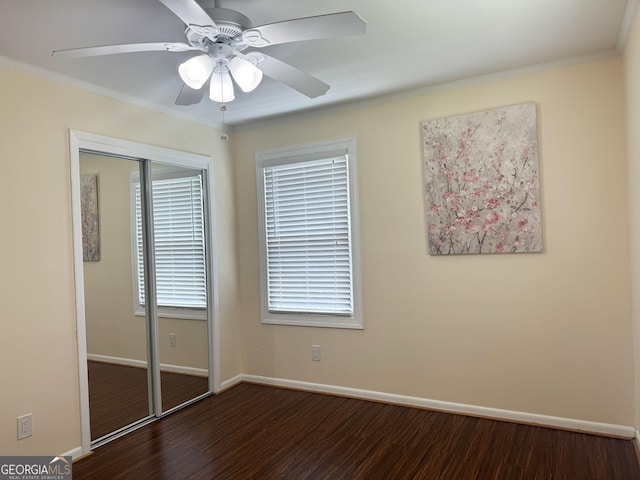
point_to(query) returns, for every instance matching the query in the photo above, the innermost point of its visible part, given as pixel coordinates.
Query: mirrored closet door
(146, 283)
(179, 234)
(117, 338)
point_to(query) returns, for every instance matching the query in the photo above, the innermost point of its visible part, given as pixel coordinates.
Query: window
(178, 213)
(308, 236)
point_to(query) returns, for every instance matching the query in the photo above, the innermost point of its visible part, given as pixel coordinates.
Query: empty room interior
(472, 168)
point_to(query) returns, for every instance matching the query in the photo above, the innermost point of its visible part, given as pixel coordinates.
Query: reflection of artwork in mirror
(90, 224)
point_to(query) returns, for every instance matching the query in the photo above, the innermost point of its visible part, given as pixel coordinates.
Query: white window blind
(179, 242)
(308, 237)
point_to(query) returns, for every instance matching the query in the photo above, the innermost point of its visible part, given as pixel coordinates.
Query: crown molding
(627, 22)
(72, 82)
(338, 107)
(432, 88)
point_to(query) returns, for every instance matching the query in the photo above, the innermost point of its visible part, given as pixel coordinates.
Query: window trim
(300, 154)
(139, 310)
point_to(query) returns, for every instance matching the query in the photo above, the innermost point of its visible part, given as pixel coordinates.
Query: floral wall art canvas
(482, 192)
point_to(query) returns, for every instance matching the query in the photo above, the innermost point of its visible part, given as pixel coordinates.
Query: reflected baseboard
(164, 367)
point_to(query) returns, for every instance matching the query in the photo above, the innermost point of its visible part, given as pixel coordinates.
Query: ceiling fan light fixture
(221, 87)
(245, 73)
(195, 71)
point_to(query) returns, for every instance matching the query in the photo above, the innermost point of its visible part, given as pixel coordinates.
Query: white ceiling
(409, 44)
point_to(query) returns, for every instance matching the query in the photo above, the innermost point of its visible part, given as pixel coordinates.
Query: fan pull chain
(224, 136)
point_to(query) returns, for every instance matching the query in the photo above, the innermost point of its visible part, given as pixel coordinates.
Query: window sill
(179, 313)
(321, 321)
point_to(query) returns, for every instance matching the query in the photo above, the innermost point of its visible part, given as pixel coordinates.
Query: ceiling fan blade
(125, 48)
(194, 16)
(333, 25)
(189, 96)
(297, 79)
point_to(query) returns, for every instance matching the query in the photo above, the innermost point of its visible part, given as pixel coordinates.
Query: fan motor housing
(230, 22)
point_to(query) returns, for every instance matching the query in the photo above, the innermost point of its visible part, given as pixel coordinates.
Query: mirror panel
(181, 282)
(116, 337)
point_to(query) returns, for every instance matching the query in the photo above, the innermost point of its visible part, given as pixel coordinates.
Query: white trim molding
(637, 439)
(74, 453)
(107, 92)
(164, 367)
(627, 22)
(232, 382)
(584, 426)
(428, 89)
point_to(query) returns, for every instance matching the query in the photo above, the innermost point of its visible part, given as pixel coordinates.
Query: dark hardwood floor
(118, 394)
(259, 432)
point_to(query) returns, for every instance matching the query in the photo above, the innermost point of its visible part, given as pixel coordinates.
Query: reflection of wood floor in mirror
(118, 394)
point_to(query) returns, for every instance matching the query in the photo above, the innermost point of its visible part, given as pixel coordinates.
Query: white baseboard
(637, 439)
(73, 453)
(232, 382)
(164, 367)
(585, 426)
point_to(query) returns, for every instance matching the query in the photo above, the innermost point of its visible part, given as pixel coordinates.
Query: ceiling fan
(222, 37)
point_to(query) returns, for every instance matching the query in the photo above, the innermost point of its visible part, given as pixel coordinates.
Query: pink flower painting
(481, 173)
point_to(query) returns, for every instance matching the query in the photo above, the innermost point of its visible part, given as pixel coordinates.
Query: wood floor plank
(259, 432)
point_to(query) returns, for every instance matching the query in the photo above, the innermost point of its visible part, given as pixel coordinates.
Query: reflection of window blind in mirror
(179, 242)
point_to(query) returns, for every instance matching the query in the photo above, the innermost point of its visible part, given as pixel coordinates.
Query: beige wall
(112, 328)
(39, 354)
(632, 91)
(541, 333)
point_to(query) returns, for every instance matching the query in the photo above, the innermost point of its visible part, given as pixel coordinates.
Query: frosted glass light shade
(195, 71)
(245, 73)
(221, 88)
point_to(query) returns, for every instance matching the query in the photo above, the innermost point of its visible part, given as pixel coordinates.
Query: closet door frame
(114, 147)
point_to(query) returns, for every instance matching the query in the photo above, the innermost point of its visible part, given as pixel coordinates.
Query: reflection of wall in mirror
(112, 328)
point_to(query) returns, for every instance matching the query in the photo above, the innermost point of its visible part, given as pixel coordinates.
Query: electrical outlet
(315, 353)
(24, 426)
(172, 339)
